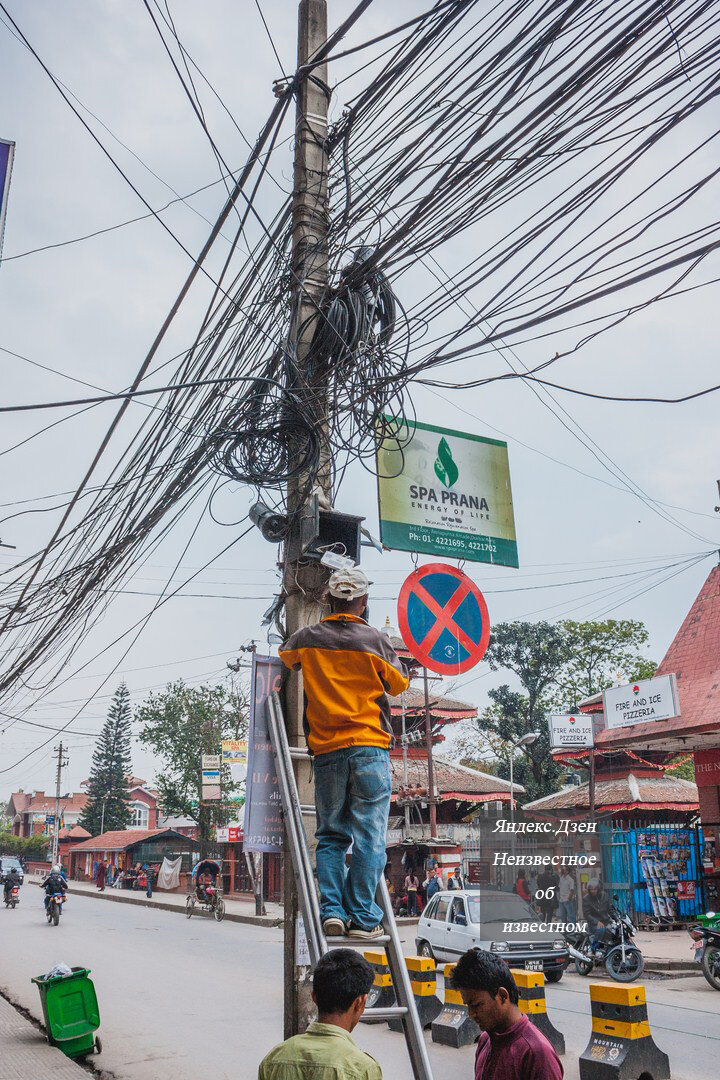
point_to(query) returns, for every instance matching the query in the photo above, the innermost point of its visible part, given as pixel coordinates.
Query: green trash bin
(70, 1009)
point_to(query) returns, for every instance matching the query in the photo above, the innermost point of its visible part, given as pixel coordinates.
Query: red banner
(707, 768)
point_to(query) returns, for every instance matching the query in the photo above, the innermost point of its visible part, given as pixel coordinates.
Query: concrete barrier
(453, 1026)
(382, 992)
(423, 979)
(621, 1046)
(531, 989)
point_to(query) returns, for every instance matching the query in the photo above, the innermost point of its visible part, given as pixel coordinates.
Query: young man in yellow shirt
(349, 669)
(341, 983)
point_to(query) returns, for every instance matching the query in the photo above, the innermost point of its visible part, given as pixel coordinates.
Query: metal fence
(655, 870)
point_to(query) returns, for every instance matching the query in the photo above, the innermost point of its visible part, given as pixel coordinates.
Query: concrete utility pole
(62, 760)
(303, 584)
(304, 580)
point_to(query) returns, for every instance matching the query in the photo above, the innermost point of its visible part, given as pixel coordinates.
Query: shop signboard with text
(445, 492)
(570, 731)
(642, 702)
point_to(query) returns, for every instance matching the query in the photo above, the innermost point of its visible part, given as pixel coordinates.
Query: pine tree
(111, 768)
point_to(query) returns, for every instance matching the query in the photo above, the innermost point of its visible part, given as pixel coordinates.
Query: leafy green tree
(684, 769)
(557, 665)
(108, 805)
(182, 723)
(600, 651)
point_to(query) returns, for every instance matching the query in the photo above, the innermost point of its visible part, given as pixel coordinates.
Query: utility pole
(429, 745)
(62, 761)
(304, 584)
(404, 744)
(304, 581)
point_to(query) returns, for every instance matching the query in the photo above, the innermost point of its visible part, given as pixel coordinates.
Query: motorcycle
(622, 960)
(12, 896)
(54, 907)
(706, 943)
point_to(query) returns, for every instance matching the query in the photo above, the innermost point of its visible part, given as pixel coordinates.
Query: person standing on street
(411, 888)
(566, 897)
(349, 669)
(100, 877)
(326, 1051)
(455, 881)
(510, 1047)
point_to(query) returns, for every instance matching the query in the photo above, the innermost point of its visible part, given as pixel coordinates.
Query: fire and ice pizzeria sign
(570, 731)
(447, 493)
(641, 702)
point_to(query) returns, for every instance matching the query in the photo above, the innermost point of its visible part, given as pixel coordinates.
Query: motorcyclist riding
(12, 879)
(54, 883)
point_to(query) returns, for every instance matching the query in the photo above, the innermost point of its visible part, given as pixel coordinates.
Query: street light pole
(525, 740)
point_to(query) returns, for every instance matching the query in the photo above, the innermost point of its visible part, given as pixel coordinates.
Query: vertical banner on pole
(263, 817)
(7, 153)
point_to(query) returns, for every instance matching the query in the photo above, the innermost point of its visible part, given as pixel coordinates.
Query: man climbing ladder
(348, 668)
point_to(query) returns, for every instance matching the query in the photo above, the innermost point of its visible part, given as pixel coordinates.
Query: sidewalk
(241, 911)
(668, 950)
(25, 1053)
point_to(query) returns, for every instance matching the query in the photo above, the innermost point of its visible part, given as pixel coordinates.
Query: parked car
(6, 861)
(454, 922)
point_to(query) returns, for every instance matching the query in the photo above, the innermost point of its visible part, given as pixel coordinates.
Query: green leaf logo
(445, 468)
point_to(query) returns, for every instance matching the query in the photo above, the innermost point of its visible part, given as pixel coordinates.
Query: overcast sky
(91, 309)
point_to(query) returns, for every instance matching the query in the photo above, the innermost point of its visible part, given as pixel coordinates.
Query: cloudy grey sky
(91, 309)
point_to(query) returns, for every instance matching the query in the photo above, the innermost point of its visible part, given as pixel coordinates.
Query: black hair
(478, 969)
(340, 977)
(340, 605)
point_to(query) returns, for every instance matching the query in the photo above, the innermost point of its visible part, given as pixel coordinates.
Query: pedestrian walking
(349, 668)
(148, 881)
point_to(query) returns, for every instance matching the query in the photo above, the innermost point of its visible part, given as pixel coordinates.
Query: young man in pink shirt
(510, 1047)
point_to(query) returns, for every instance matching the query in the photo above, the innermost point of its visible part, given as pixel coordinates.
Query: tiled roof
(628, 793)
(76, 833)
(72, 804)
(119, 841)
(450, 777)
(694, 656)
(443, 707)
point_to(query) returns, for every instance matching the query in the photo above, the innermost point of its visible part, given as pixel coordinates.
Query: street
(180, 999)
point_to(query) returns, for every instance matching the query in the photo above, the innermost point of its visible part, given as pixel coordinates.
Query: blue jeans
(352, 801)
(566, 911)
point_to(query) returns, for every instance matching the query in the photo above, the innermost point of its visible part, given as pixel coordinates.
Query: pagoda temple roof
(628, 793)
(694, 657)
(441, 708)
(452, 781)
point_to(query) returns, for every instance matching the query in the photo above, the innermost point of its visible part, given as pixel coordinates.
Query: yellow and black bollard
(621, 1046)
(382, 992)
(423, 979)
(453, 1027)
(531, 990)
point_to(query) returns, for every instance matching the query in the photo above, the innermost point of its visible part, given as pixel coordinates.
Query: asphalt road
(185, 999)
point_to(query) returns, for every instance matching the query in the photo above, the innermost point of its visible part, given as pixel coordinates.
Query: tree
(600, 651)
(557, 666)
(181, 724)
(108, 805)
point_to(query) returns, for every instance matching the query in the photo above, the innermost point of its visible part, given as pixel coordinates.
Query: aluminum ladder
(309, 903)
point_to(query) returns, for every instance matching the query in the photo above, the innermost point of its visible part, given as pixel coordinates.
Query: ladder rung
(387, 1014)
(354, 942)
